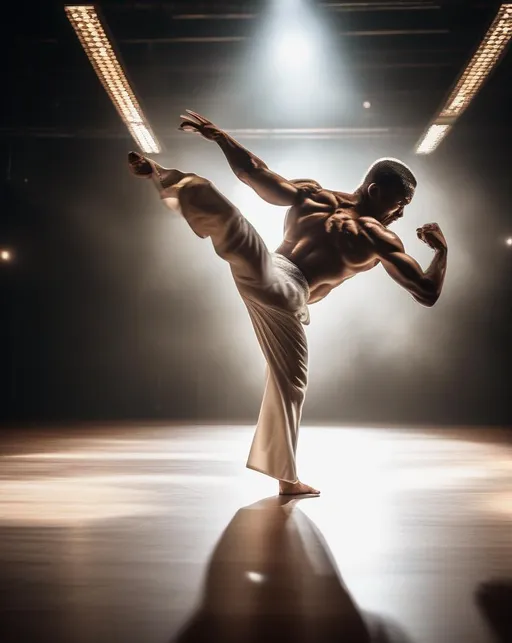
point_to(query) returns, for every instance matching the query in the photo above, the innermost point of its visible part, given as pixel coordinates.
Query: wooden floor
(158, 534)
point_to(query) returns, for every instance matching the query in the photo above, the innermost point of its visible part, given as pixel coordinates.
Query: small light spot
(367, 104)
(255, 577)
(509, 241)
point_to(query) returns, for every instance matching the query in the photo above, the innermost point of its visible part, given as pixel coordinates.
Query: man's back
(328, 240)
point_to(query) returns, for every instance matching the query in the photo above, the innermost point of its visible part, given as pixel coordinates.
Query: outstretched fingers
(194, 122)
(189, 125)
(198, 117)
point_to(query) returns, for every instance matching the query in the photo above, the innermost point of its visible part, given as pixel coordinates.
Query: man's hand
(193, 122)
(431, 234)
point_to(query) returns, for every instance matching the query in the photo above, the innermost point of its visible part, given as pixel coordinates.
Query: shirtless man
(329, 237)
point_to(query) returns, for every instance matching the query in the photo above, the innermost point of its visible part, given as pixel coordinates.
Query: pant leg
(211, 214)
(283, 341)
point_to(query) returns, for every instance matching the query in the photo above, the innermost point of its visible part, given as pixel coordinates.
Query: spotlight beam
(99, 50)
(470, 81)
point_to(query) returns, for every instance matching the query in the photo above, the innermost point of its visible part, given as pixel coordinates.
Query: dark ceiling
(403, 56)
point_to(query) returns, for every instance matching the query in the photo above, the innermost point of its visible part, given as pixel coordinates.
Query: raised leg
(210, 214)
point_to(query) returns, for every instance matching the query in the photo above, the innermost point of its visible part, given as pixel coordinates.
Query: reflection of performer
(272, 577)
(328, 237)
(494, 599)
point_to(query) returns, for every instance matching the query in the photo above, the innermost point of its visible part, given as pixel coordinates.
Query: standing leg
(283, 341)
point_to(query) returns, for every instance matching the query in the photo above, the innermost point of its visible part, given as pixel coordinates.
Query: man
(328, 237)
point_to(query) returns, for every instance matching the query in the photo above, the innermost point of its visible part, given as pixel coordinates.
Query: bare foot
(296, 488)
(139, 165)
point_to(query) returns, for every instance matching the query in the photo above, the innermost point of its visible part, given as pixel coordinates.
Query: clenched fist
(431, 234)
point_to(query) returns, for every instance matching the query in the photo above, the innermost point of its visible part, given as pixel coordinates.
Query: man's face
(387, 203)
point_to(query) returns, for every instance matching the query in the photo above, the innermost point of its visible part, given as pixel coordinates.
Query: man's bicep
(389, 248)
(407, 272)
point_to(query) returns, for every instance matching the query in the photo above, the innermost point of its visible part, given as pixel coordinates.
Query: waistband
(296, 275)
(293, 270)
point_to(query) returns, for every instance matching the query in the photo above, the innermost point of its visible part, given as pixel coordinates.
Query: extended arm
(426, 286)
(254, 172)
(248, 168)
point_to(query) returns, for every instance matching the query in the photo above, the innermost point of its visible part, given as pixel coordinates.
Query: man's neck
(361, 203)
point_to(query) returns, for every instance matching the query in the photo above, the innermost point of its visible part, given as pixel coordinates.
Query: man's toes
(134, 158)
(139, 165)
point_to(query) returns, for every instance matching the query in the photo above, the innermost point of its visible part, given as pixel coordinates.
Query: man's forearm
(437, 269)
(254, 172)
(241, 161)
(434, 277)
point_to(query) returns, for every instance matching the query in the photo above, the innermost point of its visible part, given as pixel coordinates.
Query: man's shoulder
(307, 186)
(310, 191)
(380, 234)
(306, 183)
(334, 199)
(372, 225)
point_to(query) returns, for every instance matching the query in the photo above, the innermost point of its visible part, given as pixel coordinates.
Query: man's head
(386, 189)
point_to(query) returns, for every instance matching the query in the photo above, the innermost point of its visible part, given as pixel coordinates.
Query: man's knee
(207, 211)
(201, 196)
(192, 185)
(191, 179)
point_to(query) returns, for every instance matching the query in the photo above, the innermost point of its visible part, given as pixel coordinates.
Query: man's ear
(373, 191)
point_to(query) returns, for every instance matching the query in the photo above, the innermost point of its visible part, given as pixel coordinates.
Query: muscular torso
(328, 258)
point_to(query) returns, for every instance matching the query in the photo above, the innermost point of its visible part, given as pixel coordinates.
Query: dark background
(112, 309)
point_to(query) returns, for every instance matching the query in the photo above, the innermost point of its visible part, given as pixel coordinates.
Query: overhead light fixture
(433, 136)
(100, 52)
(5, 255)
(471, 80)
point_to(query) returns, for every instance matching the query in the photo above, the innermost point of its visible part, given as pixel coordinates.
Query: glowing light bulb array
(475, 73)
(433, 136)
(97, 46)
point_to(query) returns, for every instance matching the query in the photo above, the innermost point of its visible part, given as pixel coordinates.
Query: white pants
(275, 293)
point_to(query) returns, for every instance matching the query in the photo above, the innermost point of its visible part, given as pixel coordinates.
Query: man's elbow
(242, 175)
(430, 299)
(430, 294)
(250, 170)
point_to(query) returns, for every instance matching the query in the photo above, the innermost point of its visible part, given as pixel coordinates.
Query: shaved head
(391, 173)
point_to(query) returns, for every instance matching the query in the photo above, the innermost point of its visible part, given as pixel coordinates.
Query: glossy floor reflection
(148, 534)
(272, 578)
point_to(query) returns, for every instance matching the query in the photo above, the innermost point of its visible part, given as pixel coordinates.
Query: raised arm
(248, 168)
(426, 286)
